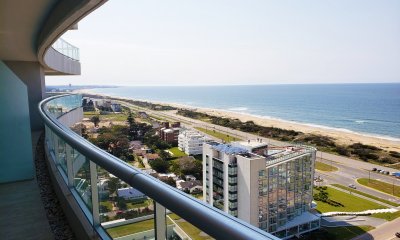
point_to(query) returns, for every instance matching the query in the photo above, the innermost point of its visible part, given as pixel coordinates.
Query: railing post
(70, 159)
(56, 148)
(160, 222)
(95, 193)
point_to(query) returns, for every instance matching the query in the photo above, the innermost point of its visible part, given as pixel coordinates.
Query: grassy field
(387, 216)
(131, 228)
(325, 167)
(121, 117)
(222, 136)
(198, 195)
(350, 203)
(367, 195)
(176, 152)
(337, 233)
(188, 228)
(380, 186)
(131, 205)
(107, 204)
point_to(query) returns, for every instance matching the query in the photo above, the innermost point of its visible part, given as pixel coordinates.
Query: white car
(352, 186)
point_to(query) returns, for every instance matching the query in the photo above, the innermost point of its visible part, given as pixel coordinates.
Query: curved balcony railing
(163, 211)
(66, 49)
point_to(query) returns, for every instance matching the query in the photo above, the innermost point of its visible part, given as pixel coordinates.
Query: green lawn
(325, 167)
(114, 117)
(107, 204)
(107, 117)
(380, 186)
(188, 228)
(198, 195)
(176, 152)
(387, 216)
(337, 233)
(367, 195)
(192, 231)
(173, 216)
(131, 228)
(90, 113)
(351, 203)
(222, 136)
(132, 205)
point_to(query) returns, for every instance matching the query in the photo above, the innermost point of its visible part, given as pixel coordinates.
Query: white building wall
(191, 142)
(248, 188)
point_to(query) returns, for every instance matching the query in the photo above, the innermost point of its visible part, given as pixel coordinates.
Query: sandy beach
(341, 136)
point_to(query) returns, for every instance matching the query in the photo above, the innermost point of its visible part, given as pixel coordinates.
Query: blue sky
(209, 42)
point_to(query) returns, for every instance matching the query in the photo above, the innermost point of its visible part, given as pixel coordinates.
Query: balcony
(62, 58)
(80, 170)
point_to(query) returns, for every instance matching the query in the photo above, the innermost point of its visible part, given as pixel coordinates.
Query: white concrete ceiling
(20, 22)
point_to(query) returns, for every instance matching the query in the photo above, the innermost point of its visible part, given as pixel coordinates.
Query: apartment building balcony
(62, 58)
(78, 168)
(31, 48)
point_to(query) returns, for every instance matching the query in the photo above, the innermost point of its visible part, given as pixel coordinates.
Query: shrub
(342, 151)
(394, 154)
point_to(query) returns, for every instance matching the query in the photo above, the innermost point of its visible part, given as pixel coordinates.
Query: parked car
(397, 234)
(386, 172)
(352, 186)
(379, 170)
(374, 169)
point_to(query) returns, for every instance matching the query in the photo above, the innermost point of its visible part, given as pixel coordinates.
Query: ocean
(372, 109)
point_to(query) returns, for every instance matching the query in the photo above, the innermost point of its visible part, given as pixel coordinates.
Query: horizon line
(218, 85)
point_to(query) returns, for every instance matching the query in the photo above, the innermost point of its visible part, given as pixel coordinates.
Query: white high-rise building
(268, 187)
(191, 142)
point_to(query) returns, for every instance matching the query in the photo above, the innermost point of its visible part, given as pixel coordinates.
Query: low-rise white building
(191, 142)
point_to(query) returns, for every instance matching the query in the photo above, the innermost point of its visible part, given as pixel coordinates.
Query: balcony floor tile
(22, 215)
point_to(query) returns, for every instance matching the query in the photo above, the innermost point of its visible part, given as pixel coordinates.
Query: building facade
(271, 190)
(191, 142)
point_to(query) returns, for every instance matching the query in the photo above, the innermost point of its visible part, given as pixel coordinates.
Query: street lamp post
(369, 176)
(393, 188)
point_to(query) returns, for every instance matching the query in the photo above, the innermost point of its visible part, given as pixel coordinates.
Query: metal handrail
(212, 221)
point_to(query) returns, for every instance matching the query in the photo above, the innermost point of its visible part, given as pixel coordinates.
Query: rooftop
(251, 143)
(277, 154)
(229, 149)
(129, 192)
(233, 150)
(305, 217)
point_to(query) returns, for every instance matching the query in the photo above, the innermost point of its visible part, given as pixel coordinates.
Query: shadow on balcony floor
(22, 213)
(30, 209)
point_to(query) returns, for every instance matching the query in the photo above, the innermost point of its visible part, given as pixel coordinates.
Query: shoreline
(341, 136)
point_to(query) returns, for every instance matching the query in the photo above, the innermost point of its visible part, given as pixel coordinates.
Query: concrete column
(160, 221)
(32, 75)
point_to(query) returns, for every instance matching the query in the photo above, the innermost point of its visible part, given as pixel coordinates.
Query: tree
(170, 181)
(119, 148)
(121, 204)
(130, 119)
(114, 140)
(164, 155)
(113, 185)
(159, 165)
(187, 165)
(95, 120)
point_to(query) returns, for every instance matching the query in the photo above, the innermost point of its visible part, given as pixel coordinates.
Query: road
(359, 168)
(385, 231)
(347, 174)
(349, 169)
